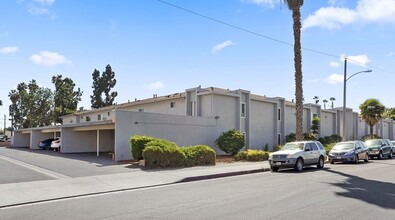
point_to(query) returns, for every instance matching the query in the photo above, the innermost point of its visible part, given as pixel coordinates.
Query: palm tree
(316, 99)
(371, 112)
(332, 100)
(294, 6)
(324, 101)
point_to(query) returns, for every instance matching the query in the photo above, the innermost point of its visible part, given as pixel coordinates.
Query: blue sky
(155, 48)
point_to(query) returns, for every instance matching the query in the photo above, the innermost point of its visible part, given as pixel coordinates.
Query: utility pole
(4, 124)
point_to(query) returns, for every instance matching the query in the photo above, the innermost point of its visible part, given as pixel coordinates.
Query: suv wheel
(299, 164)
(274, 169)
(380, 156)
(390, 155)
(320, 163)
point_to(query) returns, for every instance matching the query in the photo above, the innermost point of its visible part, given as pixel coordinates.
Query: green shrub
(328, 147)
(138, 143)
(290, 137)
(163, 153)
(336, 138)
(230, 141)
(309, 137)
(199, 155)
(252, 155)
(367, 137)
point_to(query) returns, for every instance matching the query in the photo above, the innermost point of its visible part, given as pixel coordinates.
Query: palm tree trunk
(371, 131)
(298, 72)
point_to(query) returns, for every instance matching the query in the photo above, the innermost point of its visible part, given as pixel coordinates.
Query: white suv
(297, 155)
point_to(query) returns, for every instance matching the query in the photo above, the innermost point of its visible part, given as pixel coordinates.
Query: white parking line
(35, 168)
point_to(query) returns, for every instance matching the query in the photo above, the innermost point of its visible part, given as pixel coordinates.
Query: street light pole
(344, 94)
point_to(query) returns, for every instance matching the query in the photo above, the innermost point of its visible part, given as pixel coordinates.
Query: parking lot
(24, 164)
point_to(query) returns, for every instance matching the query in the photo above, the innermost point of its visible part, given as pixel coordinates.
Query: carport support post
(97, 141)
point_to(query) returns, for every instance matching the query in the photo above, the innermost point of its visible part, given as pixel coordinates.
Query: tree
(65, 98)
(294, 6)
(102, 86)
(332, 99)
(231, 141)
(315, 125)
(371, 112)
(389, 113)
(316, 99)
(325, 101)
(31, 105)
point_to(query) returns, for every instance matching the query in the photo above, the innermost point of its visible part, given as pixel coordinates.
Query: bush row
(252, 155)
(163, 153)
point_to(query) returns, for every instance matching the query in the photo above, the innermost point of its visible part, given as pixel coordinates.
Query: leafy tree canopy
(372, 111)
(31, 105)
(102, 86)
(389, 113)
(65, 98)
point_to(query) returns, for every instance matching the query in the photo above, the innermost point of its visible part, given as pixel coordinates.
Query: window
(141, 110)
(82, 117)
(108, 113)
(279, 139)
(313, 147)
(98, 117)
(172, 104)
(243, 110)
(279, 114)
(88, 118)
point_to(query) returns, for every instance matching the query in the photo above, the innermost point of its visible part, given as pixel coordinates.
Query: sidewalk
(15, 194)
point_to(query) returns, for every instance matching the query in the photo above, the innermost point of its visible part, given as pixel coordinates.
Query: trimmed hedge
(199, 155)
(163, 153)
(138, 143)
(252, 155)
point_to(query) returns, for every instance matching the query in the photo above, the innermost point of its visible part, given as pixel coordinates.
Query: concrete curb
(221, 175)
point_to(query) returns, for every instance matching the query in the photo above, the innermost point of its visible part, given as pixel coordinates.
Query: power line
(264, 36)
(244, 30)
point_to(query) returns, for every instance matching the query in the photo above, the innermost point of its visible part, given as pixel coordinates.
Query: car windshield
(293, 146)
(371, 143)
(344, 146)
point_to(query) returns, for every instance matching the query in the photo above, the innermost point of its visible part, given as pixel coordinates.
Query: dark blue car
(45, 144)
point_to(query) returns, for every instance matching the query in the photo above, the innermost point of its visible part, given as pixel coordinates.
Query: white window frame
(243, 109)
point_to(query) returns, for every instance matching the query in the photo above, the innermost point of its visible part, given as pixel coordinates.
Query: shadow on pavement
(374, 192)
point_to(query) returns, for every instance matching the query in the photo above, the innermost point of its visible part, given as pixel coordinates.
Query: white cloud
(37, 10)
(8, 50)
(267, 3)
(156, 85)
(390, 54)
(47, 58)
(367, 11)
(45, 2)
(334, 79)
(40, 7)
(334, 64)
(360, 60)
(222, 45)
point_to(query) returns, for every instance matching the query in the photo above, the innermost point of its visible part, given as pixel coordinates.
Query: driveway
(23, 164)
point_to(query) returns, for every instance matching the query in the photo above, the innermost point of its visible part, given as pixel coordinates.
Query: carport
(88, 137)
(30, 137)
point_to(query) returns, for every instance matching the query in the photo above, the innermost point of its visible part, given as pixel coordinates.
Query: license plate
(338, 157)
(278, 163)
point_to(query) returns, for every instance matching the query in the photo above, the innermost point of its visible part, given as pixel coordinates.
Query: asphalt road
(23, 164)
(340, 191)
